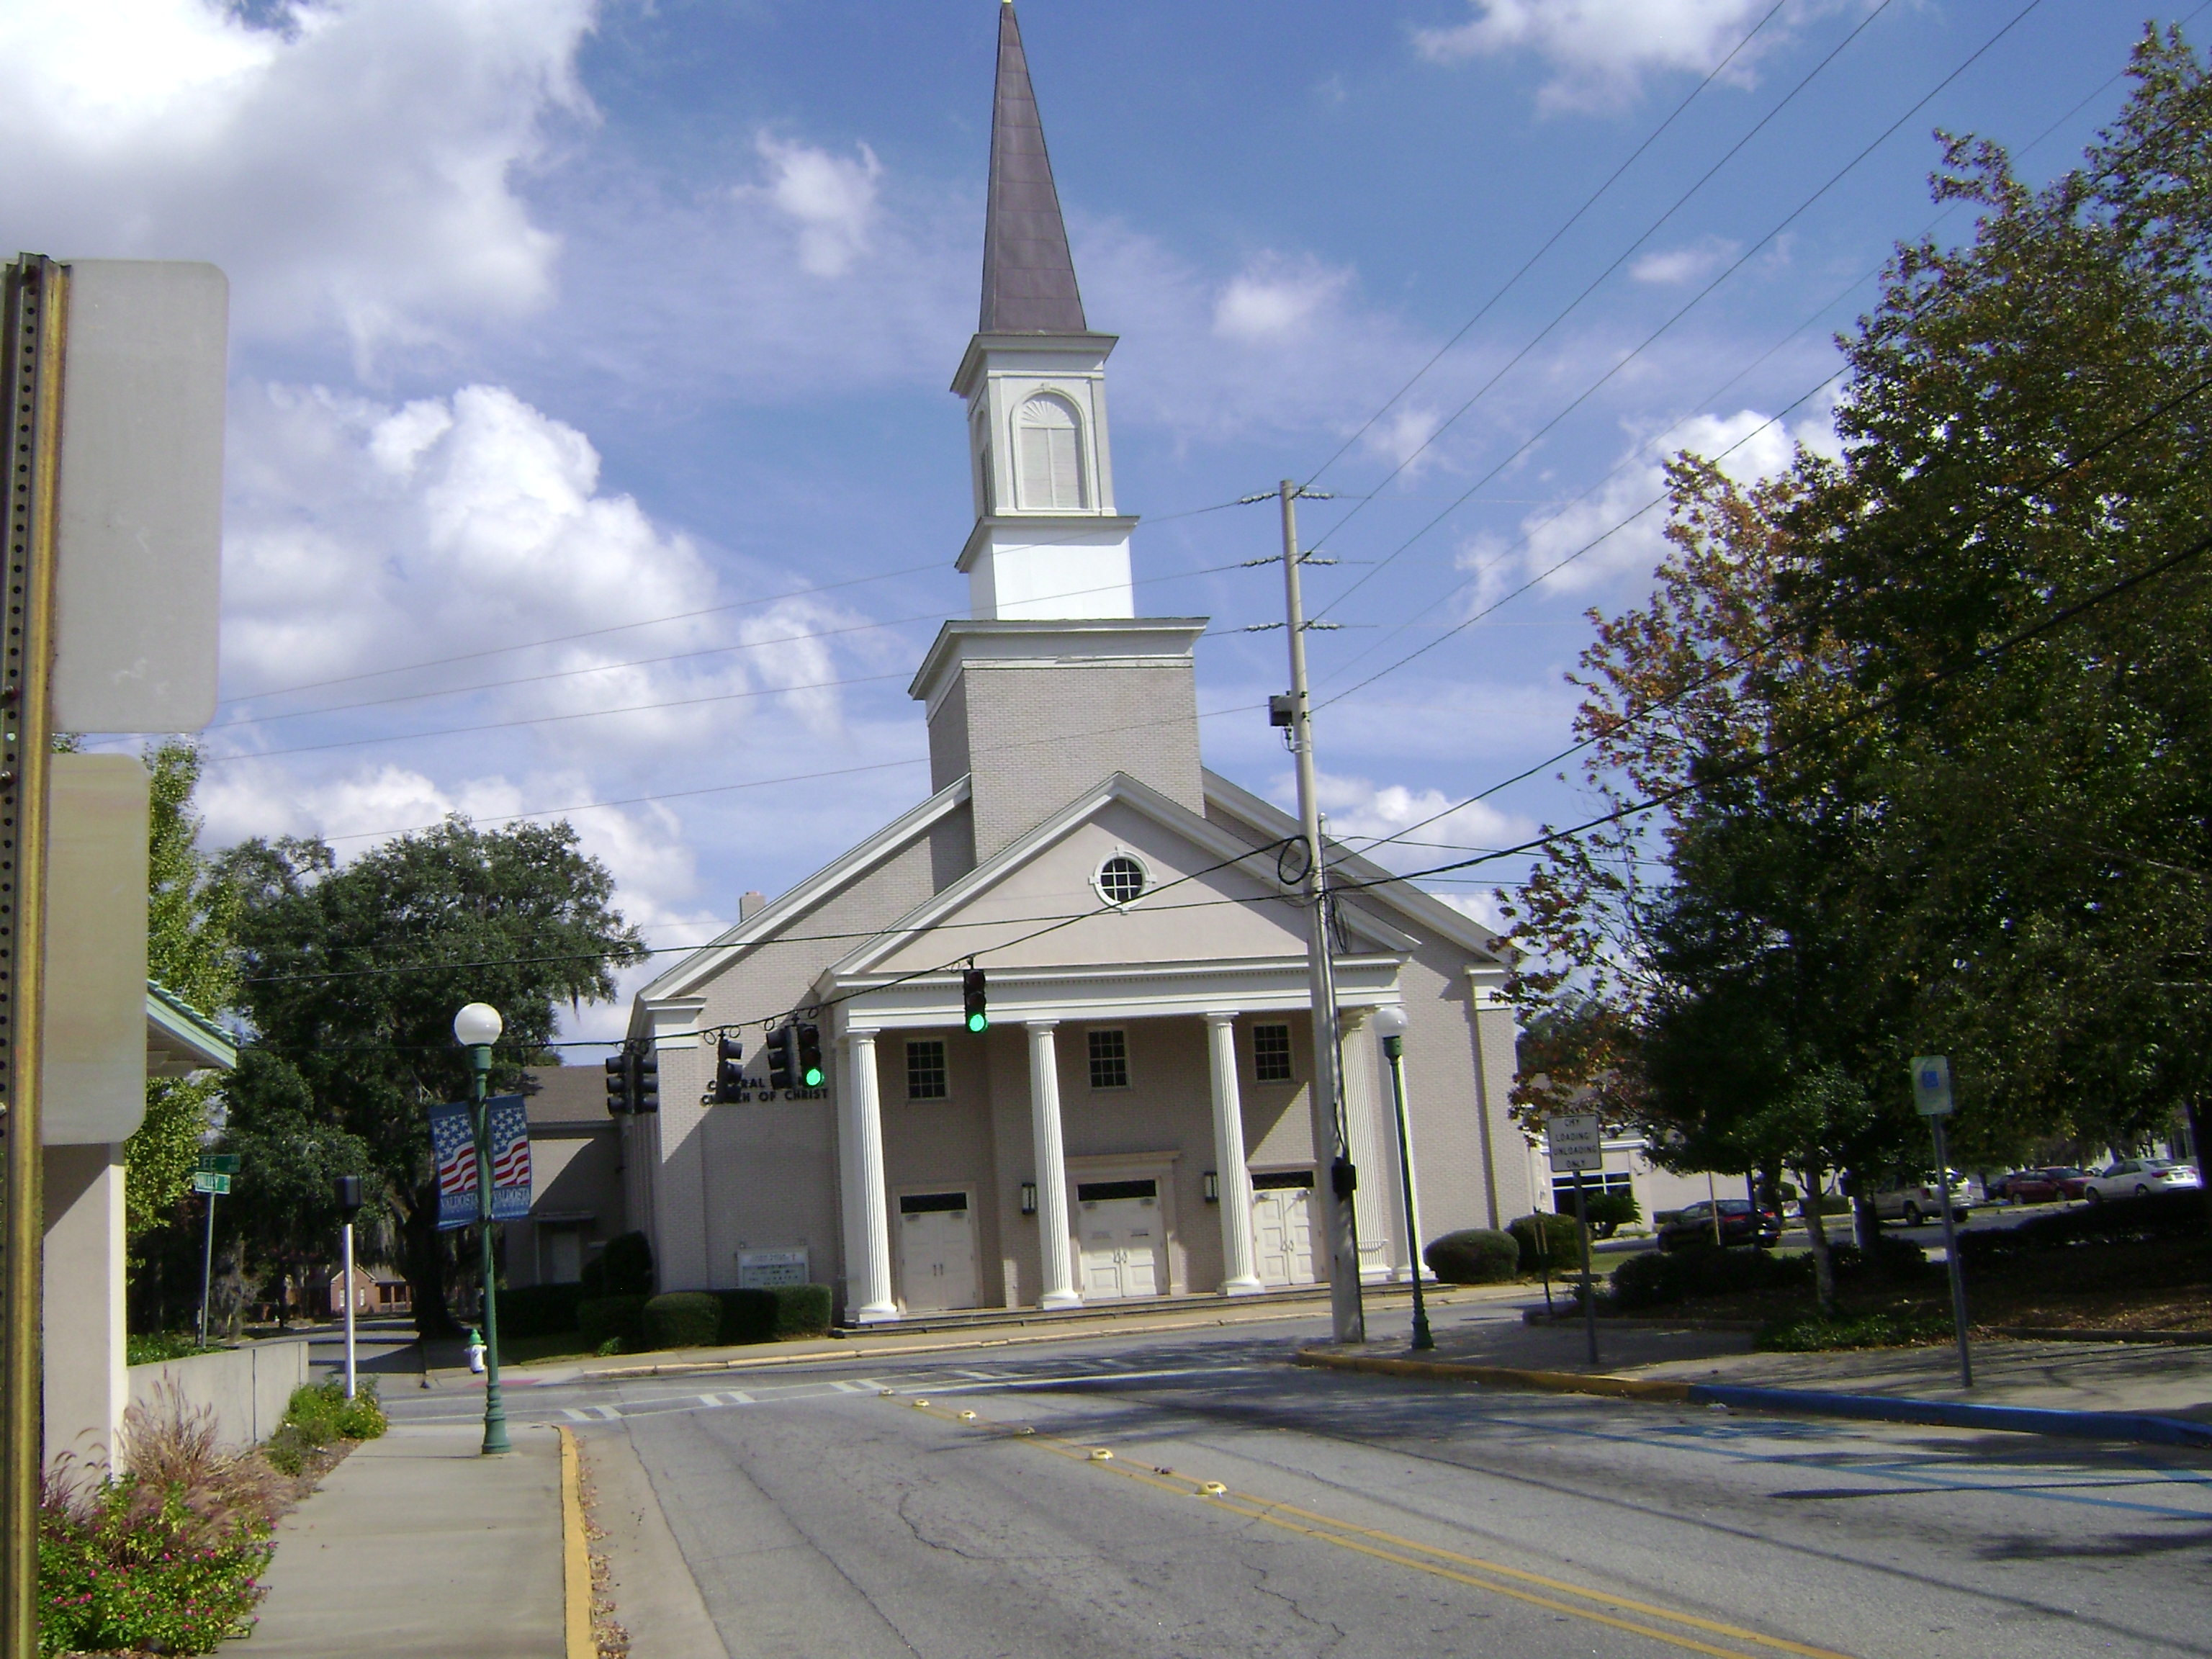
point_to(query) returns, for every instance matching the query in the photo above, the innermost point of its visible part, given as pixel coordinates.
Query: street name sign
(1575, 1141)
(219, 1162)
(1931, 1085)
(206, 1181)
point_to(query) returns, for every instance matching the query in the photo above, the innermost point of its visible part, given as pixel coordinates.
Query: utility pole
(1340, 1220)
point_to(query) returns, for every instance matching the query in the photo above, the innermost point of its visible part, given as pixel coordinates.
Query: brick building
(1137, 1120)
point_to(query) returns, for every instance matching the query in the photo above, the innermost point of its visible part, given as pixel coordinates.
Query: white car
(1913, 1201)
(2139, 1177)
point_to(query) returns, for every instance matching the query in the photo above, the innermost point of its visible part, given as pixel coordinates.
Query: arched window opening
(1121, 881)
(1050, 455)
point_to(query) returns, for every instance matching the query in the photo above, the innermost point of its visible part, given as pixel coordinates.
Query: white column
(868, 1228)
(1240, 1273)
(1413, 1164)
(1377, 1201)
(86, 1388)
(1056, 1253)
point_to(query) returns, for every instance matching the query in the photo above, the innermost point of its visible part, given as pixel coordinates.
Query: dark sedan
(1739, 1224)
(2046, 1185)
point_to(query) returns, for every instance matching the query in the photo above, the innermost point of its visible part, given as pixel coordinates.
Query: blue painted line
(2140, 1427)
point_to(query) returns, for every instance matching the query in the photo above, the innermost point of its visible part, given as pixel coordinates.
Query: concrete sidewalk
(417, 1546)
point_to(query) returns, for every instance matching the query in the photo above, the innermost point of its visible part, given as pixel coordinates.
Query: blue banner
(452, 1142)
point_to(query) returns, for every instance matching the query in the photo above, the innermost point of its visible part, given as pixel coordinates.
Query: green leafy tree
(353, 974)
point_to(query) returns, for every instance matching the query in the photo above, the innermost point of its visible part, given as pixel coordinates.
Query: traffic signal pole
(1338, 1216)
(33, 315)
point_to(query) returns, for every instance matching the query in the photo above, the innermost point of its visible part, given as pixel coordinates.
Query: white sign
(1575, 1141)
(206, 1181)
(764, 1270)
(138, 545)
(1931, 1085)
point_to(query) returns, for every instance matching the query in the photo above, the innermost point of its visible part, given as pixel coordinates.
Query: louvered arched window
(1048, 450)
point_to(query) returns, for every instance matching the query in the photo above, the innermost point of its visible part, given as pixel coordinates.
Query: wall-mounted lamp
(1028, 1198)
(1209, 1184)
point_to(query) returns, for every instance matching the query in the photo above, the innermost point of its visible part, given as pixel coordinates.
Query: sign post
(211, 1181)
(1576, 1141)
(1931, 1098)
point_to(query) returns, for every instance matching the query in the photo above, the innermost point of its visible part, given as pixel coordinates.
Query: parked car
(2138, 1177)
(1914, 1199)
(2044, 1186)
(1739, 1224)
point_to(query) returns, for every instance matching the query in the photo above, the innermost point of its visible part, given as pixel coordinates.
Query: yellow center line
(1347, 1535)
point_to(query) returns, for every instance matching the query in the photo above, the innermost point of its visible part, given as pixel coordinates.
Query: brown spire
(1028, 280)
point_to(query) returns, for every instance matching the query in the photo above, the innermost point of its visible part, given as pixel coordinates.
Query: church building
(1136, 1120)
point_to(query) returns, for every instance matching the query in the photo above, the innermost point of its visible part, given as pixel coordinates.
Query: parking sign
(1931, 1085)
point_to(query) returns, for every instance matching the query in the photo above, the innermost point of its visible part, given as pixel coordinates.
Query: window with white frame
(1271, 1054)
(1121, 881)
(924, 1068)
(1596, 1184)
(1109, 1059)
(1048, 455)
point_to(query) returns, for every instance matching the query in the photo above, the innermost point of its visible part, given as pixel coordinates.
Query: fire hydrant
(476, 1352)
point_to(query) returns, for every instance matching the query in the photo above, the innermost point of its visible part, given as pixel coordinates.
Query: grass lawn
(560, 1345)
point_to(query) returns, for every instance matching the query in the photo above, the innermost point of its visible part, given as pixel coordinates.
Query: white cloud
(830, 198)
(1599, 50)
(1670, 266)
(1276, 298)
(1598, 533)
(348, 164)
(1361, 812)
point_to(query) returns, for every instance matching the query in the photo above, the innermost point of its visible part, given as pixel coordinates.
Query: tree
(283, 1211)
(353, 973)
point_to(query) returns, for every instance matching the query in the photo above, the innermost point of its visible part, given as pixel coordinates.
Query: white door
(1282, 1232)
(564, 1255)
(1124, 1239)
(937, 1252)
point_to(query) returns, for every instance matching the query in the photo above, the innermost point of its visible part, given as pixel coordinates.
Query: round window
(1121, 879)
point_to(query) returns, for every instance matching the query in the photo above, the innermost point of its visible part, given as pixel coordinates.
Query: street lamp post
(1391, 1022)
(478, 1026)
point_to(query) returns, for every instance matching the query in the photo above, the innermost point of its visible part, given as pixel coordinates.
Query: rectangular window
(1271, 1052)
(1594, 1185)
(924, 1069)
(1109, 1061)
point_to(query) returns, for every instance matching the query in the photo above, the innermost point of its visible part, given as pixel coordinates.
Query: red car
(2046, 1185)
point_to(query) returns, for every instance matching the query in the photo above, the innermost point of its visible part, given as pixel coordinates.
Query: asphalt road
(1363, 1516)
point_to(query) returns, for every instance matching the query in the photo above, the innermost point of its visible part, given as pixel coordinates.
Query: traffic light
(809, 1055)
(645, 1080)
(971, 1000)
(619, 1102)
(783, 1056)
(729, 1071)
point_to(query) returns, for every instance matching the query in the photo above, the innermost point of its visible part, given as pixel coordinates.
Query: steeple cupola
(1048, 543)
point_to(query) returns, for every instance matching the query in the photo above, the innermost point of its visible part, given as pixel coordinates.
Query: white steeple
(1046, 542)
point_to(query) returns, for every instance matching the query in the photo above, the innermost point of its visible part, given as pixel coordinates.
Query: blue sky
(606, 329)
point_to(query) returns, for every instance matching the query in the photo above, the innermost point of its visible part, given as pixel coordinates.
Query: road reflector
(919, 1404)
(1211, 1489)
(1100, 1455)
(967, 1417)
(885, 1394)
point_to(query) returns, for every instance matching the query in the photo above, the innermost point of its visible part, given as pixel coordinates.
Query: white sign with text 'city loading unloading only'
(1575, 1141)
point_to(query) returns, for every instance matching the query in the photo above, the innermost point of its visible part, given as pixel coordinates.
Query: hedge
(538, 1309)
(684, 1319)
(769, 1316)
(2178, 1214)
(1474, 1255)
(1562, 1237)
(1652, 1278)
(603, 1318)
(624, 1267)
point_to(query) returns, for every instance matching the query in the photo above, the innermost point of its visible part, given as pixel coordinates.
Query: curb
(575, 1556)
(2139, 1427)
(2081, 1333)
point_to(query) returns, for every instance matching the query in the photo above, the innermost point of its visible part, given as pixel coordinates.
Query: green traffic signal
(978, 1022)
(814, 1077)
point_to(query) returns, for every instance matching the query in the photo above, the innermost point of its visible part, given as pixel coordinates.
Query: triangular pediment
(1209, 896)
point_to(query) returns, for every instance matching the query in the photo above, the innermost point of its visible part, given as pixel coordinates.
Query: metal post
(1951, 1251)
(1713, 1193)
(1394, 1047)
(1339, 1217)
(207, 1267)
(1589, 1293)
(495, 1434)
(349, 1301)
(35, 314)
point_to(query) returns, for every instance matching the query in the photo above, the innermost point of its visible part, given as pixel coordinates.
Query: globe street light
(1391, 1021)
(478, 1027)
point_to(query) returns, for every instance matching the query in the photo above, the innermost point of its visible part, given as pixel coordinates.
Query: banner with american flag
(453, 1143)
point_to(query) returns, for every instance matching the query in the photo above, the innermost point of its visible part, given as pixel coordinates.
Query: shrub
(1610, 1212)
(775, 1314)
(592, 1283)
(1874, 1330)
(1562, 1239)
(683, 1319)
(538, 1309)
(626, 1265)
(1654, 1279)
(165, 1558)
(157, 1346)
(2172, 1215)
(1893, 1259)
(319, 1414)
(613, 1318)
(1474, 1255)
